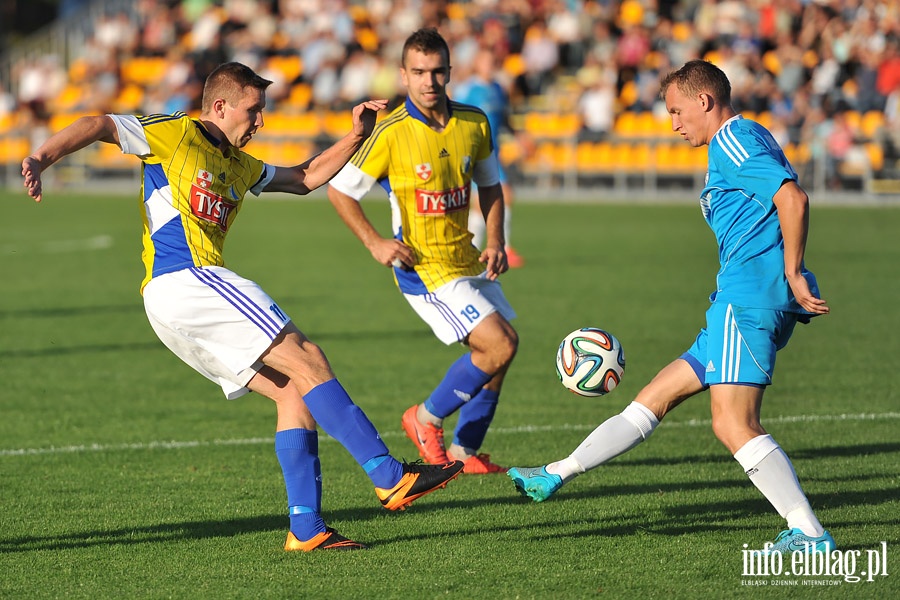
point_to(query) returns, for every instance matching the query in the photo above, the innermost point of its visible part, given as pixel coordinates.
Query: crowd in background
(807, 63)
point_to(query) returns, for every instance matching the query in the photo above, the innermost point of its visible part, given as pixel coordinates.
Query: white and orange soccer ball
(590, 362)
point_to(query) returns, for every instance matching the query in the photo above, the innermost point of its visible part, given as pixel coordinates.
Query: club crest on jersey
(204, 178)
(424, 171)
(211, 207)
(442, 202)
(466, 163)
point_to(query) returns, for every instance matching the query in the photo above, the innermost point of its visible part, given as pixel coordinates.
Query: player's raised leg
(676, 382)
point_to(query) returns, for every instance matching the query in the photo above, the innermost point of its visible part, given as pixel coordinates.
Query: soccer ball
(590, 362)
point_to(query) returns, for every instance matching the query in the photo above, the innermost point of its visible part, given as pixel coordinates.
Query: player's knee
(734, 434)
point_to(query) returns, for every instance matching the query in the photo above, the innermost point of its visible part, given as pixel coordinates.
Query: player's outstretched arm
(793, 216)
(318, 170)
(83, 132)
(386, 251)
(494, 253)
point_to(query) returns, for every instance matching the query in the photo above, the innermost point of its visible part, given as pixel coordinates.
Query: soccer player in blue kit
(481, 89)
(760, 216)
(194, 179)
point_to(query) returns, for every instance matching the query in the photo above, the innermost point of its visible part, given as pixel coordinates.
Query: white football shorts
(456, 308)
(216, 321)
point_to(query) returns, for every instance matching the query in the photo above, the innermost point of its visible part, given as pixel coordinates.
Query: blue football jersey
(746, 168)
(489, 97)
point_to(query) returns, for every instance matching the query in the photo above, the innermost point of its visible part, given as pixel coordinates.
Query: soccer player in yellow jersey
(195, 176)
(426, 154)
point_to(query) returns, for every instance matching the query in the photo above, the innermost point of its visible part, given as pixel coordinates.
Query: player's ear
(219, 107)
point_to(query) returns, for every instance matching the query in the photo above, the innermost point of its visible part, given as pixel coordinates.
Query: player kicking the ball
(760, 218)
(426, 154)
(195, 176)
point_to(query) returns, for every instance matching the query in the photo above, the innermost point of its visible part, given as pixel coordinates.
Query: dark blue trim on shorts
(699, 369)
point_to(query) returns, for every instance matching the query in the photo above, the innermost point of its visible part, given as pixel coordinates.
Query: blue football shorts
(738, 345)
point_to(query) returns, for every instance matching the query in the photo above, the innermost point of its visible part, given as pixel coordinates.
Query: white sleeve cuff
(487, 171)
(351, 180)
(131, 135)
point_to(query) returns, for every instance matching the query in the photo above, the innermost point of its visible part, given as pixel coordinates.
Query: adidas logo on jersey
(444, 153)
(710, 367)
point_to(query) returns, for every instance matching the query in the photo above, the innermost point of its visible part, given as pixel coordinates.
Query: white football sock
(611, 438)
(772, 473)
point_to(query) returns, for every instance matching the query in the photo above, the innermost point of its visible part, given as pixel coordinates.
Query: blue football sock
(298, 453)
(335, 412)
(462, 381)
(475, 417)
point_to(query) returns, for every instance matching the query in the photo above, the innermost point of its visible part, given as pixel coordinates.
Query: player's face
(425, 77)
(688, 115)
(244, 118)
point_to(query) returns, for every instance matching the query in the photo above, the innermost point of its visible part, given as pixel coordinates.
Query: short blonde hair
(228, 81)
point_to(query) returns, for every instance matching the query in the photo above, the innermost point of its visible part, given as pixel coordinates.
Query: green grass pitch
(124, 474)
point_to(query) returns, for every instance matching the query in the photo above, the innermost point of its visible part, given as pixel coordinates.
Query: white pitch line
(175, 445)
(98, 242)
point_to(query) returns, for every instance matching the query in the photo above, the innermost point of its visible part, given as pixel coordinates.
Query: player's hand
(394, 253)
(31, 173)
(495, 260)
(364, 115)
(806, 299)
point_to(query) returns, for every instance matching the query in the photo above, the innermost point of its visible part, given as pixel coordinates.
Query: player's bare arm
(793, 216)
(494, 253)
(318, 170)
(384, 250)
(80, 134)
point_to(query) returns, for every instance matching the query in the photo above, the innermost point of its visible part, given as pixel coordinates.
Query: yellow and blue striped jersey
(191, 190)
(428, 175)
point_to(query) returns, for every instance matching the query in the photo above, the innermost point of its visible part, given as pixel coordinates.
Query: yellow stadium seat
(69, 98)
(130, 98)
(13, 149)
(290, 66)
(629, 94)
(563, 157)
(510, 152)
(514, 65)
(337, 123)
(552, 125)
(6, 122)
(143, 70)
(625, 124)
(604, 156)
(663, 127)
(771, 62)
(300, 96)
(765, 119)
(853, 118)
(301, 125)
(876, 155)
(665, 159)
(62, 120)
(645, 125)
(634, 157)
(584, 157)
(111, 157)
(870, 123)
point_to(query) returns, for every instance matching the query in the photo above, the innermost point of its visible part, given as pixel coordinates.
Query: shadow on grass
(857, 450)
(647, 515)
(688, 518)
